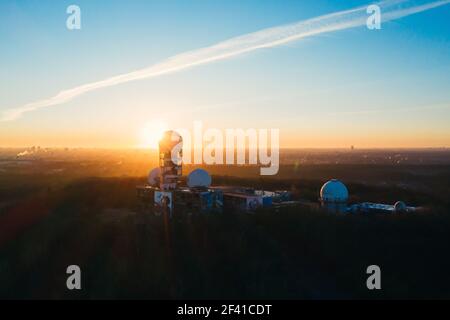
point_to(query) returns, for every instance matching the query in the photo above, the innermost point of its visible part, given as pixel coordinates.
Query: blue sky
(387, 87)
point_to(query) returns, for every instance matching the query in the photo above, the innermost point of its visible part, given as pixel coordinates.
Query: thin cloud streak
(266, 38)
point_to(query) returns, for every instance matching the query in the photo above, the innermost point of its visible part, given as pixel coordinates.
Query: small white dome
(334, 191)
(153, 177)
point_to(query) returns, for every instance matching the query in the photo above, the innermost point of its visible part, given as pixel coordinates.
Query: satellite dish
(153, 177)
(199, 178)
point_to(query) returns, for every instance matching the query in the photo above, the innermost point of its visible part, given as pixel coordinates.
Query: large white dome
(198, 178)
(334, 191)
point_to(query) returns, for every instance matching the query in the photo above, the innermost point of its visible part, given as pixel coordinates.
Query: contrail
(266, 38)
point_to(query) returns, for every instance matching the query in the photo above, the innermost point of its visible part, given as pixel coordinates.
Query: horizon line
(356, 148)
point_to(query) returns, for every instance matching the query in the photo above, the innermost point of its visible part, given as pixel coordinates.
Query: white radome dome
(153, 177)
(334, 191)
(199, 178)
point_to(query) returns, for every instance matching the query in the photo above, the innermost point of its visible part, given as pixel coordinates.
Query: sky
(361, 87)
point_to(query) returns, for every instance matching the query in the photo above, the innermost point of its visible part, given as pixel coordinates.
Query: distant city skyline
(386, 88)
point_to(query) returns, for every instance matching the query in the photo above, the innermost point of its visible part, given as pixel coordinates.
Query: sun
(151, 133)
